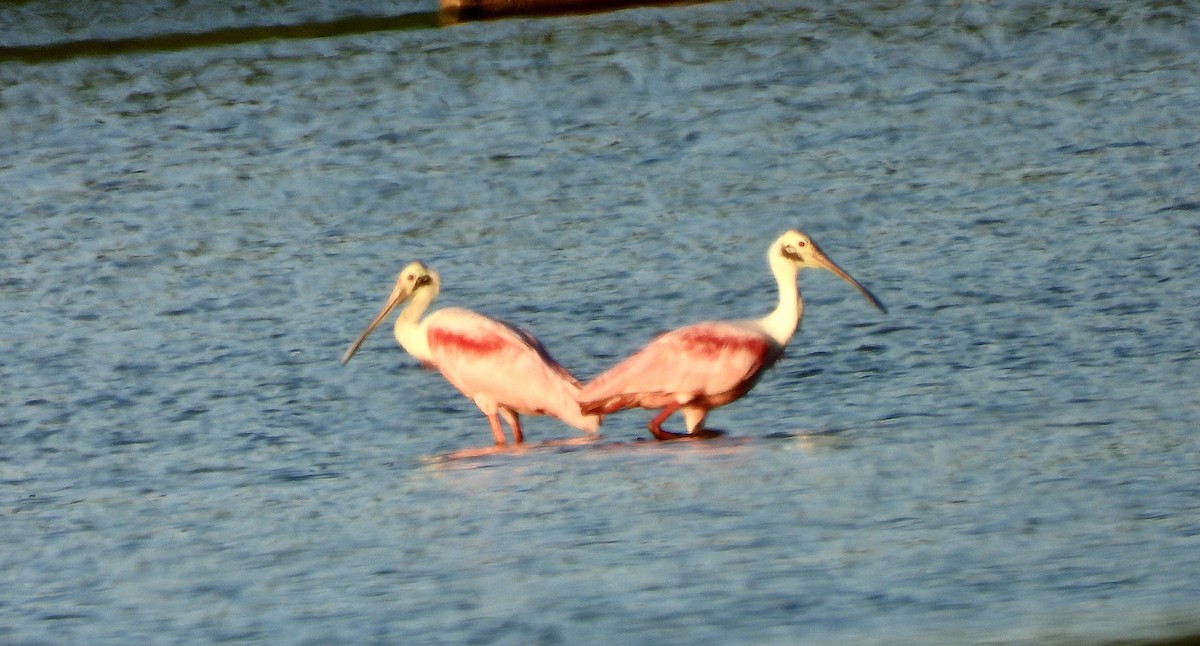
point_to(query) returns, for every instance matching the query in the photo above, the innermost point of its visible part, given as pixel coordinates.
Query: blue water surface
(190, 238)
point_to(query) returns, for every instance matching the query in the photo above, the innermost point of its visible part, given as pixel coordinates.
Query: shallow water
(191, 238)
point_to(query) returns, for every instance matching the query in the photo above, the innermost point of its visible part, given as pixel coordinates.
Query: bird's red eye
(409, 278)
(800, 244)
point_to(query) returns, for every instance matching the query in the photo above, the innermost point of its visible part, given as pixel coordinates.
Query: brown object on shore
(453, 11)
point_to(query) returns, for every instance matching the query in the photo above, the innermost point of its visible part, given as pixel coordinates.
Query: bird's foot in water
(698, 434)
(663, 435)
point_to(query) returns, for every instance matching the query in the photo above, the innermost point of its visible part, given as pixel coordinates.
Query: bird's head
(413, 279)
(799, 250)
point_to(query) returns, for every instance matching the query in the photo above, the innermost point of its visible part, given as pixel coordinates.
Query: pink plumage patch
(470, 344)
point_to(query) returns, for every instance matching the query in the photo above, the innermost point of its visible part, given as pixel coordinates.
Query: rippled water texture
(189, 239)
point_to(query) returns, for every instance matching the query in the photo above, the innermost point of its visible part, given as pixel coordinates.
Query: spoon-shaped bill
(398, 296)
(832, 266)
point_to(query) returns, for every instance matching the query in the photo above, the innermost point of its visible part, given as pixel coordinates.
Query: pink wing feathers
(704, 360)
(481, 355)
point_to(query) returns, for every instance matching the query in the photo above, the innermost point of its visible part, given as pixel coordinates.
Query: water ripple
(193, 236)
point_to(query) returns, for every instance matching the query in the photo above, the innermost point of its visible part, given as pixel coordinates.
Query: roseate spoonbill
(497, 365)
(706, 365)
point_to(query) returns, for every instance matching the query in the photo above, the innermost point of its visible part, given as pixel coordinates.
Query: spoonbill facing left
(497, 365)
(706, 365)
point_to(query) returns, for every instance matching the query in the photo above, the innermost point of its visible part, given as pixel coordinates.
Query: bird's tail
(606, 405)
(572, 414)
(565, 401)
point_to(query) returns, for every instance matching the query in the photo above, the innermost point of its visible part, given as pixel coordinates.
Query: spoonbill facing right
(706, 365)
(497, 365)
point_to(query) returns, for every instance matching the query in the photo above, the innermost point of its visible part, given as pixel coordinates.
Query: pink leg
(693, 417)
(514, 422)
(656, 428)
(497, 432)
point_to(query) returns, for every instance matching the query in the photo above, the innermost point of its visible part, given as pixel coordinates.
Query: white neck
(781, 323)
(408, 330)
